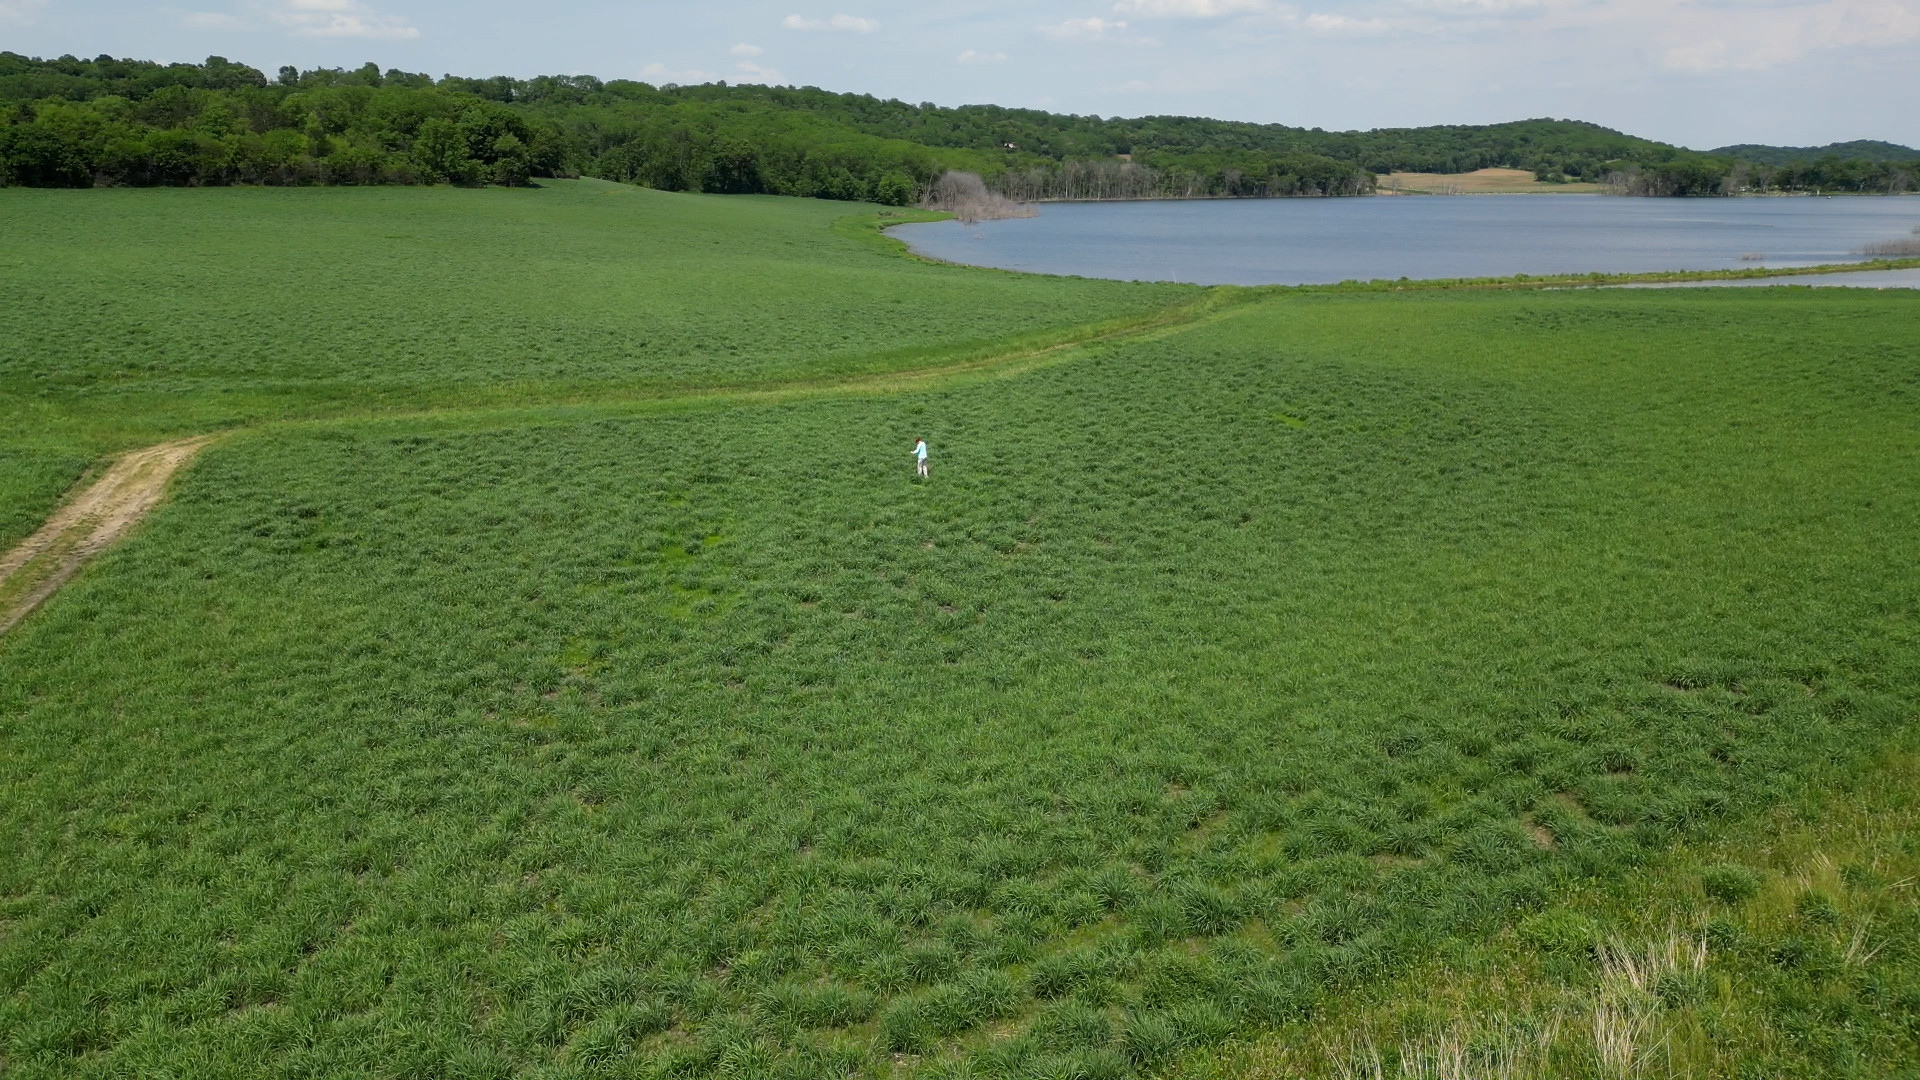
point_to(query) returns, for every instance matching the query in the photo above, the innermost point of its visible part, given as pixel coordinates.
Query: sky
(1699, 73)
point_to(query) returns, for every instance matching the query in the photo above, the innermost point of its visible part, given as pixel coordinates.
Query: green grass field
(480, 709)
(129, 316)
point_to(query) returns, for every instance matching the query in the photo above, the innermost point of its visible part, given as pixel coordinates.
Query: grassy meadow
(128, 316)
(1320, 685)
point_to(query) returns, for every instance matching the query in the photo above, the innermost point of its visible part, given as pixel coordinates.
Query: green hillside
(558, 672)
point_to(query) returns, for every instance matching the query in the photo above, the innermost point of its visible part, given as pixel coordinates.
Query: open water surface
(1318, 241)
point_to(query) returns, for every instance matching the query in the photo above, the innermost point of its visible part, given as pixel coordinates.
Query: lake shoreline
(1856, 277)
(1473, 194)
(1330, 240)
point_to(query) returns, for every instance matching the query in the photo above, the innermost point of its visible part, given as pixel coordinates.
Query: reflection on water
(1308, 241)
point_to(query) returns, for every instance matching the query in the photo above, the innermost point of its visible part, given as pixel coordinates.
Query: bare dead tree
(965, 196)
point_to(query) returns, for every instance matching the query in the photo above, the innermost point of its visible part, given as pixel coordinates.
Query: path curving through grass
(135, 483)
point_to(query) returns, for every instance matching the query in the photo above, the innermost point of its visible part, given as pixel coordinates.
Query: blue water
(1316, 241)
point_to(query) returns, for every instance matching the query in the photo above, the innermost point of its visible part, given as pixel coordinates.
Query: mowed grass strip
(1211, 679)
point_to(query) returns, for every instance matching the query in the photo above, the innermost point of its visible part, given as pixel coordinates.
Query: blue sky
(1696, 72)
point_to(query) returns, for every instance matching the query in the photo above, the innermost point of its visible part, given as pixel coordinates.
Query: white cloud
(207, 20)
(756, 73)
(1189, 9)
(1341, 24)
(851, 23)
(1703, 38)
(1176, 80)
(1489, 6)
(1683, 36)
(744, 49)
(972, 57)
(341, 19)
(1089, 29)
(20, 11)
(660, 74)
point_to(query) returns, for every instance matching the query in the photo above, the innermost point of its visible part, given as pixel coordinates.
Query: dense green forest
(104, 122)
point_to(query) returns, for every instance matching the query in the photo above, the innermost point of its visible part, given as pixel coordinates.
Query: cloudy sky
(1700, 73)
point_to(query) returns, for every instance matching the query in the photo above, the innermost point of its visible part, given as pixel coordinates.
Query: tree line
(1278, 177)
(107, 122)
(1711, 176)
(78, 123)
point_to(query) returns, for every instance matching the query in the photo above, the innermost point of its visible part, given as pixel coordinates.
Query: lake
(1317, 241)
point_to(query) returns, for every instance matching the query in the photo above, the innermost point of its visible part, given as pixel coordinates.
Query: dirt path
(83, 527)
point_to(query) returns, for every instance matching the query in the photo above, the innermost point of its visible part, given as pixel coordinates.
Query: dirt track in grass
(87, 524)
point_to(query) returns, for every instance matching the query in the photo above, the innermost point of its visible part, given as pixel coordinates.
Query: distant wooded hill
(80, 123)
(1858, 150)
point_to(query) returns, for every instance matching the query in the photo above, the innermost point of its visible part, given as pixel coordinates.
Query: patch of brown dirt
(1542, 836)
(87, 524)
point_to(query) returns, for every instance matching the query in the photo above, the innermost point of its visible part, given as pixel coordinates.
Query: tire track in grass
(132, 486)
(88, 524)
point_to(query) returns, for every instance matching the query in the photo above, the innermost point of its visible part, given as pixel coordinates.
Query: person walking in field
(920, 456)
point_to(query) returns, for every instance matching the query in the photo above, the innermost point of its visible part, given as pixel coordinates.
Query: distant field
(1232, 689)
(1480, 182)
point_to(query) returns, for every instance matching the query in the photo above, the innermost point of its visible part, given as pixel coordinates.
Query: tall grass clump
(1904, 248)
